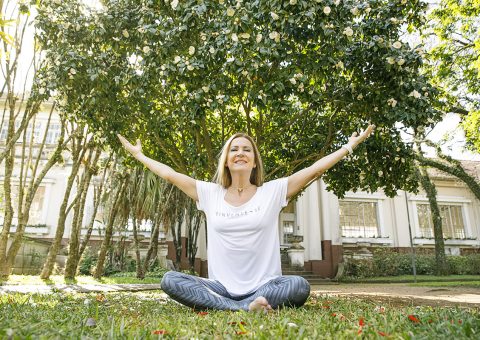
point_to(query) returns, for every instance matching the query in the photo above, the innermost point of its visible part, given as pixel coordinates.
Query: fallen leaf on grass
(382, 333)
(234, 323)
(202, 313)
(160, 331)
(413, 318)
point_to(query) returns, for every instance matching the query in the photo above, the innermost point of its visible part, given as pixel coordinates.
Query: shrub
(386, 262)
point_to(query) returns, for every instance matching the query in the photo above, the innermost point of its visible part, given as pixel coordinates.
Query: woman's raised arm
(183, 182)
(300, 179)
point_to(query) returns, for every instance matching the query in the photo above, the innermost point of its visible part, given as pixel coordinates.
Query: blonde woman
(242, 213)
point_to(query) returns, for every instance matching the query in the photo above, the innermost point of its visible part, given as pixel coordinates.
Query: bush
(87, 262)
(386, 262)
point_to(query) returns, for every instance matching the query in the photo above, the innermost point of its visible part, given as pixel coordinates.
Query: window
(36, 209)
(287, 231)
(53, 133)
(452, 221)
(358, 219)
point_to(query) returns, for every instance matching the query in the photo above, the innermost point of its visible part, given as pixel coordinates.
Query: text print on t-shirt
(237, 214)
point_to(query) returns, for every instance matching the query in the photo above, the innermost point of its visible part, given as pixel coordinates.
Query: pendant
(240, 190)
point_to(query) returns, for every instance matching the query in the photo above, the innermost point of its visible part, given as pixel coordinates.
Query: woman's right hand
(135, 150)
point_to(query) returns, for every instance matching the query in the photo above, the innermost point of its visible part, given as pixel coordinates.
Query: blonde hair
(223, 175)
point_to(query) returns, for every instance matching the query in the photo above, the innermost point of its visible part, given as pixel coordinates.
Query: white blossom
(293, 2)
(211, 50)
(190, 67)
(397, 44)
(360, 97)
(401, 61)
(234, 37)
(394, 20)
(245, 72)
(336, 2)
(327, 10)
(275, 36)
(230, 60)
(221, 2)
(380, 173)
(177, 59)
(274, 16)
(191, 50)
(340, 65)
(367, 10)
(230, 11)
(392, 102)
(205, 89)
(125, 33)
(174, 4)
(354, 11)
(73, 71)
(293, 81)
(244, 35)
(348, 31)
(259, 37)
(415, 94)
(146, 49)
(390, 60)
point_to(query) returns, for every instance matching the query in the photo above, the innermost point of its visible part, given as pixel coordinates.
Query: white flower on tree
(392, 102)
(274, 16)
(327, 10)
(230, 11)
(390, 60)
(348, 31)
(174, 4)
(259, 37)
(397, 44)
(275, 36)
(191, 50)
(415, 94)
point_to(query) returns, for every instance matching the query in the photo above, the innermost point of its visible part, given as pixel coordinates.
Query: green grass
(466, 284)
(58, 279)
(150, 316)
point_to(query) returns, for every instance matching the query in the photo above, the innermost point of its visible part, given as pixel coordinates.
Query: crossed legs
(200, 293)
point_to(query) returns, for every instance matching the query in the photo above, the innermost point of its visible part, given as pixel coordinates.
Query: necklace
(240, 189)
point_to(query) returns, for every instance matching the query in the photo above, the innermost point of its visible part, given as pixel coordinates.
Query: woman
(242, 217)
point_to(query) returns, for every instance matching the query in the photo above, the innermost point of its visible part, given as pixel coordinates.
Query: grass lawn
(149, 315)
(84, 279)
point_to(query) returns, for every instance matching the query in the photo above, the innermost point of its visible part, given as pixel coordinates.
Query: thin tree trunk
(140, 271)
(431, 191)
(152, 248)
(77, 155)
(74, 244)
(109, 231)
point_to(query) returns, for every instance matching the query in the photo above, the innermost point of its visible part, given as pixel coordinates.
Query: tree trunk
(77, 155)
(99, 269)
(454, 170)
(74, 243)
(431, 191)
(152, 248)
(140, 271)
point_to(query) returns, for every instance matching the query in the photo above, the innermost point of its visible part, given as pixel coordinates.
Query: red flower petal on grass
(361, 322)
(334, 314)
(202, 313)
(359, 330)
(160, 331)
(382, 333)
(413, 318)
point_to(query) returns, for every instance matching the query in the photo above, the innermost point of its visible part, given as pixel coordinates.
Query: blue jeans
(200, 293)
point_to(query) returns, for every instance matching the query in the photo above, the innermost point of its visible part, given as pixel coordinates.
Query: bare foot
(259, 304)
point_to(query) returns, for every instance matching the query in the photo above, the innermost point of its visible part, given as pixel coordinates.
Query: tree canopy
(300, 76)
(455, 61)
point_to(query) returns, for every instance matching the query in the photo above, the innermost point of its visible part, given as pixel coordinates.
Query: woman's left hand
(356, 138)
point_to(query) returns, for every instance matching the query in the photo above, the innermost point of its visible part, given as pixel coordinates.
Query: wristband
(348, 148)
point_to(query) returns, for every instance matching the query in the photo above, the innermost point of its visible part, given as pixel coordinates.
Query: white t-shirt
(243, 246)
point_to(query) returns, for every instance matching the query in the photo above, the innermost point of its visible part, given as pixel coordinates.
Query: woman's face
(241, 155)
